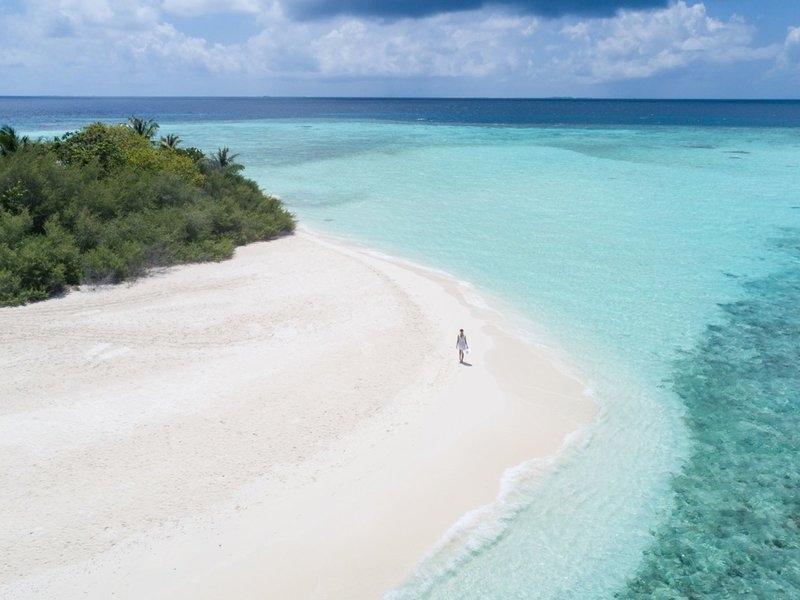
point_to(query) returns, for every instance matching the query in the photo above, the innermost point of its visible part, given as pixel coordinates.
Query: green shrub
(11, 292)
(102, 265)
(88, 229)
(47, 264)
(208, 250)
(104, 204)
(15, 227)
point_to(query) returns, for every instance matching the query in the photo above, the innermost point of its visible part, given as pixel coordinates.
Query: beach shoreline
(290, 423)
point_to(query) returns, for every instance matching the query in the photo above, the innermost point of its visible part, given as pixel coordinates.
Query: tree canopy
(106, 203)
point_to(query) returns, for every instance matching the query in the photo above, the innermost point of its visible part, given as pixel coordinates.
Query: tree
(169, 142)
(112, 147)
(146, 129)
(10, 141)
(224, 162)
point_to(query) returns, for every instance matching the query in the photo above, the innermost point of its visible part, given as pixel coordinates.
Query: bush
(15, 227)
(45, 265)
(104, 204)
(112, 265)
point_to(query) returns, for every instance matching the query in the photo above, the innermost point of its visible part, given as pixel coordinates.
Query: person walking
(462, 345)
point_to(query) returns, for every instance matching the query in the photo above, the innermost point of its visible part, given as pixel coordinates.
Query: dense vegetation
(108, 202)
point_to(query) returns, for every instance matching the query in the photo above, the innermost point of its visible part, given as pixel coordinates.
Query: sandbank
(292, 423)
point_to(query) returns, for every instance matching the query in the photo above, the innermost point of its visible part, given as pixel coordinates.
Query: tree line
(106, 203)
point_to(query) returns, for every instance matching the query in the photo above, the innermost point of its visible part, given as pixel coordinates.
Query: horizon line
(367, 97)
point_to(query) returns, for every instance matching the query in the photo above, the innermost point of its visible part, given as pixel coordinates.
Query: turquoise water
(663, 260)
(622, 244)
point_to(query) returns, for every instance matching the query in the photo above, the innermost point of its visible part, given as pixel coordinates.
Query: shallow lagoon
(653, 245)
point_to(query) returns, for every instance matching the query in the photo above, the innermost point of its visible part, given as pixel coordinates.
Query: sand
(292, 423)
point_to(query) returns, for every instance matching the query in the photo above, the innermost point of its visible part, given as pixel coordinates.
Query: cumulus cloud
(790, 53)
(394, 9)
(170, 47)
(205, 7)
(38, 18)
(121, 15)
(143, 42)
(638, 44)
(451, 46)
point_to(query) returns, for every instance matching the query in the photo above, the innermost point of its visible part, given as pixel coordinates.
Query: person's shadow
(465, 363)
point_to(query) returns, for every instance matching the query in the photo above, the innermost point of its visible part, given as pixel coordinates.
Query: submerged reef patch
(735, 528)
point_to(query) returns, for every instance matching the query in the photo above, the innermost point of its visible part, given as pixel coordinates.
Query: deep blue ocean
(655, 244)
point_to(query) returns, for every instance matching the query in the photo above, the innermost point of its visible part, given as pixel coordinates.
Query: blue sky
(503, 48)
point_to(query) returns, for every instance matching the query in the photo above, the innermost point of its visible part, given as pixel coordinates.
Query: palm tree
(146, 129)
(224, 162)
(169, 142)
(10, 141)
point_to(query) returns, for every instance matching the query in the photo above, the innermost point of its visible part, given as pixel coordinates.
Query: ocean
(655, 244)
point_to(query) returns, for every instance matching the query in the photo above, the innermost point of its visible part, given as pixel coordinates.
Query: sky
(419, 48)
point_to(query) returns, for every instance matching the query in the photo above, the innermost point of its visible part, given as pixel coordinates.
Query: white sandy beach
(292, 423)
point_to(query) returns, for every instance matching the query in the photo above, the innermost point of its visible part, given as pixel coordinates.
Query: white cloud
(43, 19)
(790, 53)
(144, 39)
(637, 44)
(448, 45)
(121, 15)
(84, 11)
(98, 36)
(206, 7)
(170, 47)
